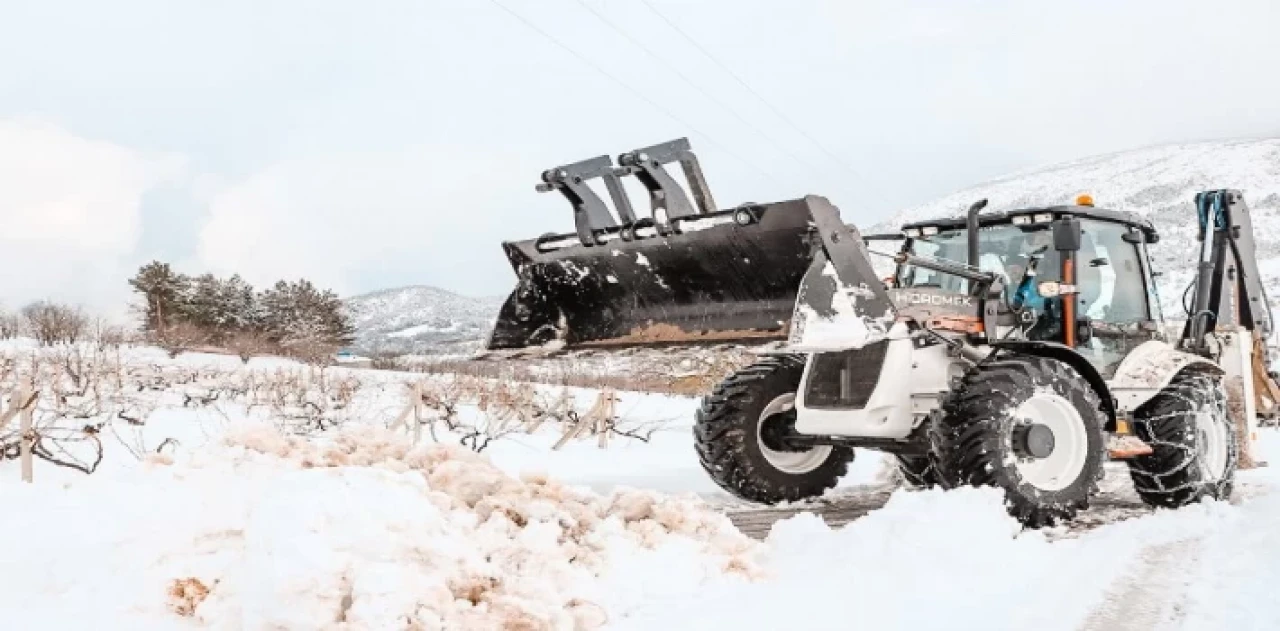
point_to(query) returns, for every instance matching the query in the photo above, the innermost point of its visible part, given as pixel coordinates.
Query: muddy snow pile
(360, 532)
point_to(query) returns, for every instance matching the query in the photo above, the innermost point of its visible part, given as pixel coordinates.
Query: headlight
(1043, 217)
(1020, 220)
(912, 233)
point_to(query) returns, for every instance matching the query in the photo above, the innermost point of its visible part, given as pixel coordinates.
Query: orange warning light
(1084, 200)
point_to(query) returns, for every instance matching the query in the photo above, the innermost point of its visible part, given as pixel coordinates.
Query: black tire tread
(966, 441)
(918, 471)
(1169, 477)
(725, 430)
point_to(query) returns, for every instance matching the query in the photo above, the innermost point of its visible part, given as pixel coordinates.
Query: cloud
(355, 221)
(71, 214)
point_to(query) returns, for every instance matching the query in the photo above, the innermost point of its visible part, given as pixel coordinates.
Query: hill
(420, 319)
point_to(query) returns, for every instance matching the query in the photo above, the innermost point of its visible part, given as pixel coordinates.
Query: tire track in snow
(1107, 508)
(1151, 593)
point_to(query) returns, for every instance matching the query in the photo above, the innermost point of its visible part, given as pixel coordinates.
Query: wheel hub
(775, 429)
(1033, 440)
(776, 423)
(1049, 441)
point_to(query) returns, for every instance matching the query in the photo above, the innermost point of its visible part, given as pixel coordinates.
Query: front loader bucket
(717, 277)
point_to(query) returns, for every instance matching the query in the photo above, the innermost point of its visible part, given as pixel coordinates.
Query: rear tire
(1194, 445)
(982, 437)
(734, 434)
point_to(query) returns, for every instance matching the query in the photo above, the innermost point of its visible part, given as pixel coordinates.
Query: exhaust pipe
(971, 224)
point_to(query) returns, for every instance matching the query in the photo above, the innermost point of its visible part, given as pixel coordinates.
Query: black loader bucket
(687, 274)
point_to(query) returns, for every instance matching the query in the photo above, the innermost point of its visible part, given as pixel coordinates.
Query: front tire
(917, 471)
(736, 437)
(1028, 425)
(1194, 448)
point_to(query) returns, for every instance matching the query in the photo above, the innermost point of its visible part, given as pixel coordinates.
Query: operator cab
(1108, 278)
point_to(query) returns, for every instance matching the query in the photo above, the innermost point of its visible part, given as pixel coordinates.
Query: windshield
(1109, 273)
(1004, 249)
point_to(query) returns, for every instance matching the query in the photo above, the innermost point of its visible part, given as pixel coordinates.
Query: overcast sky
(376, 144)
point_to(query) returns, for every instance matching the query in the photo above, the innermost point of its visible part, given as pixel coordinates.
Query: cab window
(1113, 294)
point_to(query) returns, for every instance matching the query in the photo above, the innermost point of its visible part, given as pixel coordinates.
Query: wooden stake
(28, 440)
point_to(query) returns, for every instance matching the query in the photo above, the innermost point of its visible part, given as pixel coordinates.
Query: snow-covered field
(257, 519)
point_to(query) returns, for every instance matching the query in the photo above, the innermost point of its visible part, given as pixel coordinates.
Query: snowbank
(361, 532)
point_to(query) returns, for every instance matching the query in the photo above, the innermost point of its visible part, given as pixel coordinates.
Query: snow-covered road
(932, 559)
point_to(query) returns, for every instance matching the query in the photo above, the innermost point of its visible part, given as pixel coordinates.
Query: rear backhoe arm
(1228, 290)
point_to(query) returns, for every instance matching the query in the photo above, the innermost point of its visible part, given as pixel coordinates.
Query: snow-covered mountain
(1159, 183)
(420, 319)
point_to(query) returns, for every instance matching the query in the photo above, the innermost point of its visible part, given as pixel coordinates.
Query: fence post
(28, 440)
(21, 404)
(412, 413)
(605, 420)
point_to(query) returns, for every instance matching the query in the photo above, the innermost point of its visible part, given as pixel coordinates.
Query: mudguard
(1070, 356)
(1150, 367)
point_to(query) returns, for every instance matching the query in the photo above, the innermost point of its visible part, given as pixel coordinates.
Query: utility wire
(586, 60)
(694, 84)
(761, 98)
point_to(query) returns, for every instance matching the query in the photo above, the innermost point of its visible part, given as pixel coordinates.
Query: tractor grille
(845, 379)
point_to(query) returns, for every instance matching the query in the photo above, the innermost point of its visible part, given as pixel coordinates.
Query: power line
(694, 84)
(586, 60)
(761, 98)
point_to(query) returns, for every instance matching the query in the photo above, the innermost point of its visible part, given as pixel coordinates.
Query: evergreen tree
(238, 305)
(299, 312)
(200, 306)
(163, 292)
(305, 320)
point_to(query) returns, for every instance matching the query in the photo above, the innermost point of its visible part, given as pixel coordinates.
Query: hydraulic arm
(1228, 290)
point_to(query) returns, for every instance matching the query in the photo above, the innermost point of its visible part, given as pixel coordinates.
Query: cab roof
(1005, 216)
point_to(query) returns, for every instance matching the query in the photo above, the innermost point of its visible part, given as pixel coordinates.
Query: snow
(847, 327)
(418, 319)
(425, 328)
(368, 532)
(243, 525)
(1208, 566)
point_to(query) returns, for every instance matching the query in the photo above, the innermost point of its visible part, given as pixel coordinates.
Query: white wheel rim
(792, 462)
(1064, 464)
(1211, 446)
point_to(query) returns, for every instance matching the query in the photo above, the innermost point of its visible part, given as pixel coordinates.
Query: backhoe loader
(1018, 348)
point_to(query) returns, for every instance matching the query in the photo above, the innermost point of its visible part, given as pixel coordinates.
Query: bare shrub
(109, 336)
(52, 323)
(83, 393)
(305, 401)
(388, 361)
(181, 336)
(249, 344)
(10, 326)
(313, 351)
